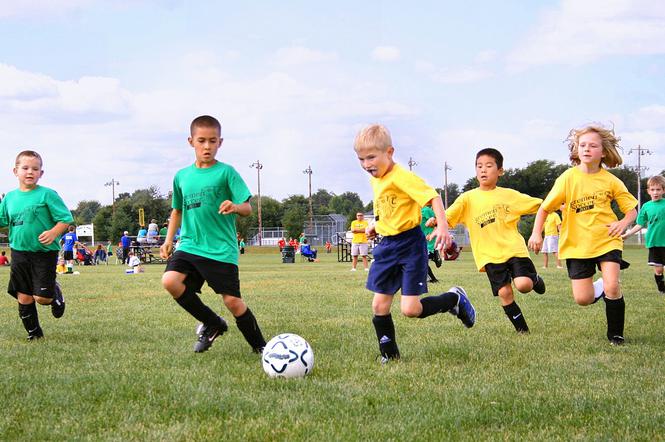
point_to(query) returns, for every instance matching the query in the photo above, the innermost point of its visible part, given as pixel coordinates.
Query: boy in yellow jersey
(400, 259)
(551, 242)
(590, 232)
(359, 245)
(491, 214)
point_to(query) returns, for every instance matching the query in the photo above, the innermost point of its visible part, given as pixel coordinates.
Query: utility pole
(411, 163)
(446, 168)
(258, 166)
(308, 171)
(640, 151)
(112, 183)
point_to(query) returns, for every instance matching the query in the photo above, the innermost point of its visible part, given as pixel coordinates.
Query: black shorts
(68, 255)
(502, 274)
(33, 273)
(656, 256)
(221, 277)
(582, 268)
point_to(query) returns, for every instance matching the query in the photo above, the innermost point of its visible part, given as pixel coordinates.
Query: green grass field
(119, 365)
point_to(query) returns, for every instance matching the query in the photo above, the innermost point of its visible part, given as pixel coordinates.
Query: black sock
(191, 302)
(385, 333)
(250, 330)
(615, 310)
(430, 273)
(516, 317)
(28, 314)
(438, 304)
(659, 282)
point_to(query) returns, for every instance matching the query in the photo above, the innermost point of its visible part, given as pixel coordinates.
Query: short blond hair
(374, 135)
(29, 154)
(656, 180)
(610, 143)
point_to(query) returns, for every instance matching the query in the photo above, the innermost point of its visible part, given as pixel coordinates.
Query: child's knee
(583, 297)
(43, 301)
(411, 311)
(235, 305)
(523, 284)
(172, 284)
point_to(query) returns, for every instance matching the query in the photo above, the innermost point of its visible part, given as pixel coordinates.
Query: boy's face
(487, 172)
(590, 148)
(206, 142)
(28, 171)
(655, 192)
(375, 161)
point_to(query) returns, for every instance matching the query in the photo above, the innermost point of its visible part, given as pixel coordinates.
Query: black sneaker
(617, 340)
(437, 259)
(58, 303)
(464, 310)
(208, 334)
(385, 358)
(35, 334)
(539, 285)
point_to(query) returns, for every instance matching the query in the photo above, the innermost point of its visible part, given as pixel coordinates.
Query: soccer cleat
(58, 303)
(352, 270)
(617, 340)
(385, 357)
(35, 334)
(208, 334)
(464, 310)
(539, 285)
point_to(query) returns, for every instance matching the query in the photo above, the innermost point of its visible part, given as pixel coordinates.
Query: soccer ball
(287, 356)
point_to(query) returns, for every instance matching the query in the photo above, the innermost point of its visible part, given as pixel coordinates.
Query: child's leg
(174, 283)
(545, 260)
(27, 311)
(615, 307)
(558, 261)
(511, 309)
(658, 275)
(246, 322)
(384, 326)
(583, 292)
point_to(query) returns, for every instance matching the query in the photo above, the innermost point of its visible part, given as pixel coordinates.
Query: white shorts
(359, 249)
(550, 244)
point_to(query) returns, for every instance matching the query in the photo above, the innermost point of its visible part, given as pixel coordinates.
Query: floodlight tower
(411, 163)
(112, 183)
(258, 167)
(446, 168)
(640, 151)
(309, 172)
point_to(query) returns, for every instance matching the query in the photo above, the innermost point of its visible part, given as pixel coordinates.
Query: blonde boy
(400, 259)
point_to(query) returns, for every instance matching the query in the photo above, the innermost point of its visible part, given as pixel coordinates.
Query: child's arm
(48, 236)
(536, 240)
(227, 208)
(617, 227)
(441, 229)
(636, 228)
(174, 222)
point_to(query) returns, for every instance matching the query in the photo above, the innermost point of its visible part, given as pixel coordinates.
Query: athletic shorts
(33, 273)
(502, 274)
(550, 244)
(221, 277)
(68, 255)
(400, 261)
(582, 268)
(656, 256)
(359, 249)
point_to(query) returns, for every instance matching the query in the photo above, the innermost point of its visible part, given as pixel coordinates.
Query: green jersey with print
(652, 216)
(426, 213)
(29, 213)
(198, 192)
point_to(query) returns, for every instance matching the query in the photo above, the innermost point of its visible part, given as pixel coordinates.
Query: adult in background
(68, 241)
(126, 243)
(359, 245)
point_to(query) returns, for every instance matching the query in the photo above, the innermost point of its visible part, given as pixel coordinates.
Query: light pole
(112, 183)
(446, 168)
(258, 166)
(640, 151)
(411, 163)
(308, 171)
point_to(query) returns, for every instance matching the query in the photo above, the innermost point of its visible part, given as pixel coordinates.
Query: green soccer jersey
(198, 192)
(652, 216)
(426, 213)
(30, 213)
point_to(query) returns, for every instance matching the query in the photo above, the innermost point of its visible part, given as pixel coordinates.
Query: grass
(120, 366)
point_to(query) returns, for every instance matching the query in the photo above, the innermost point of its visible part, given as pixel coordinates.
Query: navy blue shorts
(400, 261)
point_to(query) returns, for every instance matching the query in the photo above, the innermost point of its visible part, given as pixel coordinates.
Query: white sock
(598, 288)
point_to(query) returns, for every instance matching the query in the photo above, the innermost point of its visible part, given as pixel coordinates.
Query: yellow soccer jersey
(359, 238)
(551, 223)
(491, 217)
(398, 197)
(587, 213)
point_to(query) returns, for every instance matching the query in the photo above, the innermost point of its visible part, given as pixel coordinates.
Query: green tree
(321, 201)
(294, 221)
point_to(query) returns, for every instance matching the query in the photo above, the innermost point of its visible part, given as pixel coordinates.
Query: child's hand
(443, 239)
(47, 237)
(166, 250)
(227, 208)
(370, 231)
(536, 242)
(616, 228)
(431, 222)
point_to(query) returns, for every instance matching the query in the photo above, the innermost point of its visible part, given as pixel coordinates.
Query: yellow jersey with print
(398, 197)
(359, 238)
(588, 211)
(551, 225)
(491, 216)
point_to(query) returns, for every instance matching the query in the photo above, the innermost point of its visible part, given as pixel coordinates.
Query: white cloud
(297, 55)
(579, 32)
(386, 53)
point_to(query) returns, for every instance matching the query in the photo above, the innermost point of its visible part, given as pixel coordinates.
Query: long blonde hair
(611, 156)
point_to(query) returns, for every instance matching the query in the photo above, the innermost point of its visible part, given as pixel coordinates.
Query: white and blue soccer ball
(287, 356)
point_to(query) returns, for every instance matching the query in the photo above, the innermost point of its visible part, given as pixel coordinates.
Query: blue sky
(107, 89)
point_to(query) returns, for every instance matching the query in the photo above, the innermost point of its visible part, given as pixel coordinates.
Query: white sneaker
(366, 269)
(353, 270)
(598, 288)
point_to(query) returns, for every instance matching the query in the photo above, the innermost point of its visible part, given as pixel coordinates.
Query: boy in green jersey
(207, 196)
(36, 217)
